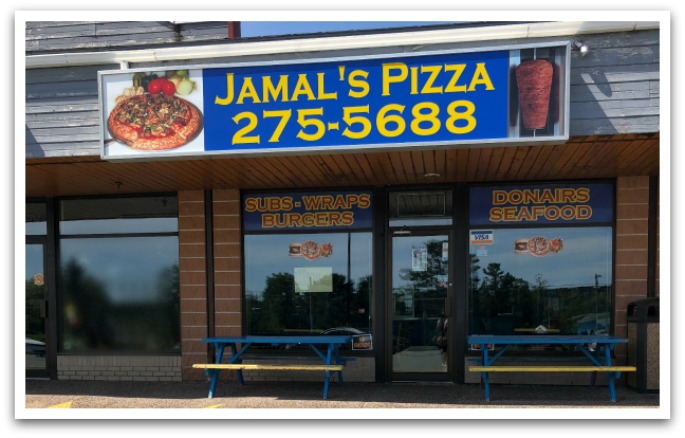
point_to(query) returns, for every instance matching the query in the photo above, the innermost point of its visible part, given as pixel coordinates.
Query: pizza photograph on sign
(538, 246)
(153, 111)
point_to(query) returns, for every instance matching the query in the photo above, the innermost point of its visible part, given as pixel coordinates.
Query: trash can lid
(645, 310)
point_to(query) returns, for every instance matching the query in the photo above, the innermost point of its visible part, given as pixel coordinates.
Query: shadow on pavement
(229, 394)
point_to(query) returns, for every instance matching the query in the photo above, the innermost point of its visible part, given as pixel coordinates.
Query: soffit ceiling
(585, 157)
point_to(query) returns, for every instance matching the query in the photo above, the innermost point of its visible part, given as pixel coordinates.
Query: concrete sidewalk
(308, 395)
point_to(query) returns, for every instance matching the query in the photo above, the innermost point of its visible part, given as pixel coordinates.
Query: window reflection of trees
(500, 303)
(95, 322)
(279, 310)
(35, 294)
(422, 293)
(419, 299)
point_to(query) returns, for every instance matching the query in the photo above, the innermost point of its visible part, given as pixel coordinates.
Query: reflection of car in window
(35, 348)
(343, 331)
(334, 331)
(592, 323)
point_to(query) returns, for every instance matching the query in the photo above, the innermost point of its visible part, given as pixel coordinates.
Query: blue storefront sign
(345, 104)
(410, 100)
(541, 204)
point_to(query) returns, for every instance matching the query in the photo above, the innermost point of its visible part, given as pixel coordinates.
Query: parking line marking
(65, 405)
(212, 407)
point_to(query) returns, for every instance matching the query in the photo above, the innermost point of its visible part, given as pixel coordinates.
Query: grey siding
(62, 112)
(73, 36)
(614, 88)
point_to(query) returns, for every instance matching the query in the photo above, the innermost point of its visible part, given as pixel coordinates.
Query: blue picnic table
(596, 348)
(326, 347)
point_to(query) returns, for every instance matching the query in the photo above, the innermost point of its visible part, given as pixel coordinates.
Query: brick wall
(119, 368)
(193, 263)
(227, 263)
(632, 209)
(193, 279)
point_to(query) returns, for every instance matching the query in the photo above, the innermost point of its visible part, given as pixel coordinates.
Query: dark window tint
(119, 215)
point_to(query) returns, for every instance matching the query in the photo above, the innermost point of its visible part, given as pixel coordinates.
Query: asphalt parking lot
(363, 398)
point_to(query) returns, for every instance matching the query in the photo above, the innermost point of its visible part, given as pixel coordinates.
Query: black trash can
(643, 344)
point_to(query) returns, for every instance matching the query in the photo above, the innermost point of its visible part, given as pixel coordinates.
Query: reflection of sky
(36, 228)
(34, 260)
(266, 255)
(118, 226)
(586, 252)
(128, 268)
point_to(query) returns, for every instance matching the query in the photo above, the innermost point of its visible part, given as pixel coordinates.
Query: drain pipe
(233, 30)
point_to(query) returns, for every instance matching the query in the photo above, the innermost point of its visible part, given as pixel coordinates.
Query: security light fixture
(581, 47)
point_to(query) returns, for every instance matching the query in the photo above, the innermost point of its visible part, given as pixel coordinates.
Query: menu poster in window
(313, 279)
(419, 259)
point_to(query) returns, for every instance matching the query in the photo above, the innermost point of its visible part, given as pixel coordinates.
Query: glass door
(421, 290)
(36, 312)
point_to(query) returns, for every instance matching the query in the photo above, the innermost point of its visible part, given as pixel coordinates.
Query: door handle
(447, 309)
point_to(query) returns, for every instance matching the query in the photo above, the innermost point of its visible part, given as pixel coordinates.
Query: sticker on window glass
(362, 342)
(38, 280)
(482, 251)
(538, 246)
(310, 250)
(419, 259)
(482, 237)
(445, 251)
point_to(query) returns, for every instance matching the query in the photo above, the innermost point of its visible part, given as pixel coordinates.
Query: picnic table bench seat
(598, 362)
(329, 357)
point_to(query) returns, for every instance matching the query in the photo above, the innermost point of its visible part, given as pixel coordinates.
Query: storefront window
(541, 259)
(289, 294)
(119, 276)
(308, 263)
(565, 288)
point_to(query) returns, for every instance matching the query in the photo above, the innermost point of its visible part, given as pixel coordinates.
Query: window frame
(600, 224)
